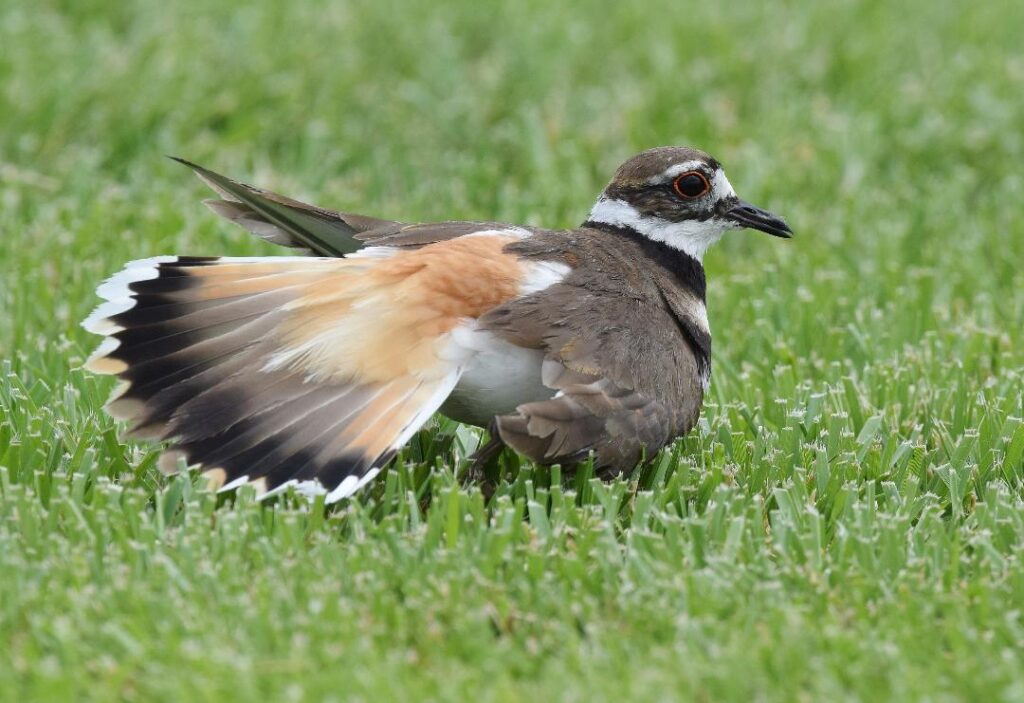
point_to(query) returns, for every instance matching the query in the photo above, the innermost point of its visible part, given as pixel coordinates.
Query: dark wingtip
(185, 162)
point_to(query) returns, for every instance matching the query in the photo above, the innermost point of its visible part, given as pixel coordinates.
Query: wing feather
(285, 221)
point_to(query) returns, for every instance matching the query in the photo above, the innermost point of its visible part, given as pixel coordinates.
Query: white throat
(691, 236)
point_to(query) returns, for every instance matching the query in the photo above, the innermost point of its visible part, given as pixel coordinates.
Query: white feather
(116, 287)
(99, 321)
(346, 488)
(106, 347)
(674, 170)
(496, 376)
(517, 232)
(306, 489)
(377, 252)
(366, 478)
(350, 485)
(311, 488)
(690, 236)
(542, 274)
(240, 481)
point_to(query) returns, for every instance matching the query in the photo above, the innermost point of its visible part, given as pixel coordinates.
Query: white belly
(497, 377)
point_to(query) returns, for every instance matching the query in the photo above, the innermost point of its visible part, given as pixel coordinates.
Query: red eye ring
(690, 185)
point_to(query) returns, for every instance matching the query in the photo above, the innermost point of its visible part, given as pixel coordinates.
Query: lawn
(846, 522)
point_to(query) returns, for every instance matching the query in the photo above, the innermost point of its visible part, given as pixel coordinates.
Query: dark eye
(691, 184)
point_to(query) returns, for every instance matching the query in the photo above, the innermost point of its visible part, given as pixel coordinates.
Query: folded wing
(285, 221)
(623, 392)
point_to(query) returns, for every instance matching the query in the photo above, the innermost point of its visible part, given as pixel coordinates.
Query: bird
(314, 369)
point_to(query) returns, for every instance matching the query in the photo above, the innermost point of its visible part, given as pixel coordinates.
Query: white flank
(496, 376)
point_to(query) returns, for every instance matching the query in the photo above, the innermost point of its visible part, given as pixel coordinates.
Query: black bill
(755, 218)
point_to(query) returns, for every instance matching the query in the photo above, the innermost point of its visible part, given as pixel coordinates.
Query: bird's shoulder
(618, 314)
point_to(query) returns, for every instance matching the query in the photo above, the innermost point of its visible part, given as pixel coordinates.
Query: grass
(846, 523)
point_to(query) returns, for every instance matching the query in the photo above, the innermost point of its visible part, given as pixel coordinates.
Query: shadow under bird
(315, 370)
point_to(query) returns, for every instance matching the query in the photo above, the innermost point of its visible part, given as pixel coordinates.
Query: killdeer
(315, 370)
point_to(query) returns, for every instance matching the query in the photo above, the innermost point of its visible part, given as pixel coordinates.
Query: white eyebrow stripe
(674, 170)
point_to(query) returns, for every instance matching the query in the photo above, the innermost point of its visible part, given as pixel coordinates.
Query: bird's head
(679, 196)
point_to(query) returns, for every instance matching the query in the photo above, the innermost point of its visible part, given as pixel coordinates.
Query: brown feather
(625, 349)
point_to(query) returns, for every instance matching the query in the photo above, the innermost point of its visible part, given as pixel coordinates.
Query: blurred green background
(846, 523)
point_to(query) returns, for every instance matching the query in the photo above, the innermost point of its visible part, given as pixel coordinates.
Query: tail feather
(299, 421)
(259, 448)
(198, 344)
